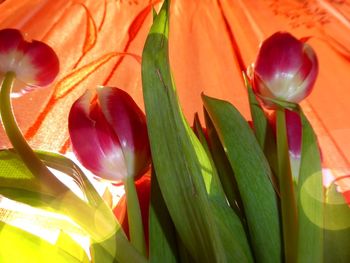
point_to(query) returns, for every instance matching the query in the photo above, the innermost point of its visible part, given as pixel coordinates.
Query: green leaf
(66, 243)
(109, 242)
(198, 130)
(337, 227)
(216, 189)
(20, 246)
(262, 128)
(286, 187)
(260, 121)
(183, 169)
(20, 185)
(310, 198)
(162, 234)
(224, 169)
(185, 256)
(67, 166)
(252, 174)
(16, 171)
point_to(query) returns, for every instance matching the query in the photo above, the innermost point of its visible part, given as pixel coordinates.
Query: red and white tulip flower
(285, 69)
(34, 63)
(109, 134)
(24, 66)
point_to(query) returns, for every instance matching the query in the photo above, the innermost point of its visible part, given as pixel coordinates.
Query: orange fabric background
(211, 42)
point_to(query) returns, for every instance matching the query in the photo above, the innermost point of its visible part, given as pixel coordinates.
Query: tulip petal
(280, 56)
(294, 133)
(88, 140)
(286, 69)
(113, 160)
(81, 127)
(294, 128)
(10, 42)
(127, 121)
(35, 63)
(39, 65)
(300, 86)
(309, 75)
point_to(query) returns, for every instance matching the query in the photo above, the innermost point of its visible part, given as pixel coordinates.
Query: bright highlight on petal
(286, 69)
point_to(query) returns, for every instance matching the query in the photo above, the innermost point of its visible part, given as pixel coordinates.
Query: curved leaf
(186, 178)
(163, 247)
(20, 185)
(20, 246)
(310, 198)
(252, 174)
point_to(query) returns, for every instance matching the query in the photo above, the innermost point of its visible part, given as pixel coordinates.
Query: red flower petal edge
(34, 63)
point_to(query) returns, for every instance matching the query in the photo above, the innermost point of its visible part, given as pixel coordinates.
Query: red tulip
(286, 69)
(109, 134)
(34, 63)
(294, 133)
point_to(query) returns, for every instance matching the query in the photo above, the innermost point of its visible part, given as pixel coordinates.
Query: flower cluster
(222, 190)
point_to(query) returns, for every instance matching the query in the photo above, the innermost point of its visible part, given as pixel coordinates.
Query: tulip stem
(288, 202)
(34, 164)
(137, 237)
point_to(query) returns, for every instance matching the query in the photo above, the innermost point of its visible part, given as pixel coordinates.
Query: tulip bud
(34, 63)
(109, 134)
(286, 69)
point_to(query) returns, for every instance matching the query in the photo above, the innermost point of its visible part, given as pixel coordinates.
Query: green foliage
(19, 184)
(224, 169)
(310, 198)
(252, 174)
(336, 227)
(18, 245)
(189, 184)
(163, 237)
(262, 129)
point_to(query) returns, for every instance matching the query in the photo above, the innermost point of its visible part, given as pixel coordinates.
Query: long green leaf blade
(20, 246)
(337, 227)
(163, 243)
(182, 167)
(262, 129)
(17, 183)
(181, 180)
(68, 244)
(224, 168)
(310, 198)
(252, 174)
